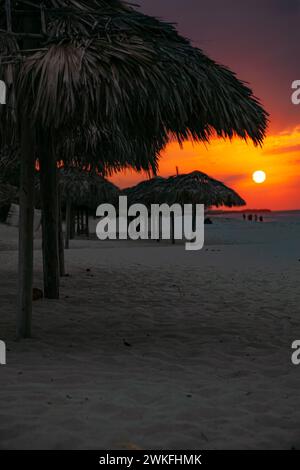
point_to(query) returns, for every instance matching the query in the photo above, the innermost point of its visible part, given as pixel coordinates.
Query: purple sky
(258, 39)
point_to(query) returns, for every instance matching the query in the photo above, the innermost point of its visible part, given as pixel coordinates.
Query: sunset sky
(259, 40)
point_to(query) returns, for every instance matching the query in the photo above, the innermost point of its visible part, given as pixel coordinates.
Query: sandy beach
(154, 347)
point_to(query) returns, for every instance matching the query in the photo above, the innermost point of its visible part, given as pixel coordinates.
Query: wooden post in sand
(26, 216)
(78, 222)
(48, 174)
(87, 228)
(68, 224)
(62, 269)
(173, 227)
(194, 217)
(24, 312)
(73, 223)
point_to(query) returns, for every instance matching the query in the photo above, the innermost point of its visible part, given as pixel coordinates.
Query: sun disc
(259, 177)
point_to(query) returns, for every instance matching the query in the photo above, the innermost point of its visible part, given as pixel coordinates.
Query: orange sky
(234, 163)
(269, 32)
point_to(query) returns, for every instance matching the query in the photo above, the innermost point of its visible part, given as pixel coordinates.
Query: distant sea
(274, 216)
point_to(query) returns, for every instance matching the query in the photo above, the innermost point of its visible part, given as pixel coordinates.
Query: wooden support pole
(82, 226)
(173, 227)
(68, 224)
(24, 312)
(73, 222)
(78, 221)
(159, 228)
(8, 15)
(62, 269)
(48, 174)
(194, 217)
(26, 194)
(87, 223)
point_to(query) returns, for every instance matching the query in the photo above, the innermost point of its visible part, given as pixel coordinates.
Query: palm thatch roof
(85, 189)
(199, 188)
(193, 188)
(147, 192)
(81, 188)
(103, 64)
(106, 152)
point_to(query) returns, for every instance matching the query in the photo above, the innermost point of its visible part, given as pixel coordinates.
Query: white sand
(209, 364)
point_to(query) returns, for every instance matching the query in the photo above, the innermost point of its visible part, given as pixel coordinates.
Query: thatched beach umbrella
(83, 190)
(118, 52)
(102, 63)
(194, 188)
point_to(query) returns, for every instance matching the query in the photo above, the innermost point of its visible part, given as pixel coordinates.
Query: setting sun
(259, 177)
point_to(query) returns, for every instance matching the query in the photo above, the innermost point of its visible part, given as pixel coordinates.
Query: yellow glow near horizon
(234, 163)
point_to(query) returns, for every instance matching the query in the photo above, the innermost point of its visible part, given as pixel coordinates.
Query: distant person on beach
(256, 218)
(261, 219)
(244, 216)
(250, 217)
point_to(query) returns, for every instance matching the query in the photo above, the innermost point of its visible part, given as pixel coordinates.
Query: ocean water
(275, 216)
